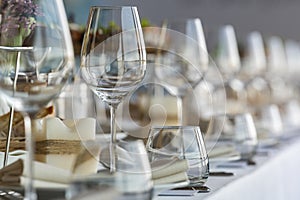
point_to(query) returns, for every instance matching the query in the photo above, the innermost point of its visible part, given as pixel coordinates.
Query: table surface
(276, 175)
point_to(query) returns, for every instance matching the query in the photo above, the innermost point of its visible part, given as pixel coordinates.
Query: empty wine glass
(36, 61)
(182, 59)
(254, 62)
(113, 57)
(292, 51)
(254, 71)
(180, 142)
(276, 55)
(281, 90)
(228, 57)
(228, 60)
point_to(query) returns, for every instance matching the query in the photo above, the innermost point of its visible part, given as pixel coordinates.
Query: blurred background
(273, 78)
(267, 16)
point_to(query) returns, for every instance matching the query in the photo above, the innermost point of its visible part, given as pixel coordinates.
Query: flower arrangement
(17, 21)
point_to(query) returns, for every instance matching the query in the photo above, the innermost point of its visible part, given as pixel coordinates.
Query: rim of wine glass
(112, 7)
(16, 48)
(182, 20)
(175, 127)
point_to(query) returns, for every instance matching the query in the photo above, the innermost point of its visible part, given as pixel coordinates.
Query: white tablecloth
(275, 176)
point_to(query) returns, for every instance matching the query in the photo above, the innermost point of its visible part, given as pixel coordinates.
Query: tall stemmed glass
(36, 61)
(228, 57)
(228, 60)
(278, 70)
(254, 72)
(113, 58)
(255, 62)
(182, 59)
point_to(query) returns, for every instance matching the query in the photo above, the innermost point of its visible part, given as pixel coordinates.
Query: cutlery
(250, 161)
(10, 195)
(199, 189)
(221, 173)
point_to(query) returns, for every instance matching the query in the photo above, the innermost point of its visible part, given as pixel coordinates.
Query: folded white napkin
(16, 172)
(221, 150)
(60, 155)
(45, 174)
(166, 171)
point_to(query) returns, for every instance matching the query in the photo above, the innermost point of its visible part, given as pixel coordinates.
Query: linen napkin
(164, 171)
(45, 174)
(16, 172)
(172, 170)
(221, 150)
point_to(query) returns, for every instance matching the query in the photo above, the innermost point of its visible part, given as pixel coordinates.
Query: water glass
(132, 178)
(268, 121)
(245, 136)
(237, 130)
(181, 142)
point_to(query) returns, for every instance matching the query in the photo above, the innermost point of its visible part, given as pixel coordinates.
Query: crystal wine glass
(277, 74)
(36, 61)
(228, 60)
(113, 57)
(182, 59)
(254, 72)
(228, 56)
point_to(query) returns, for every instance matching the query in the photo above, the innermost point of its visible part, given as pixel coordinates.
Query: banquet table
(276, 175)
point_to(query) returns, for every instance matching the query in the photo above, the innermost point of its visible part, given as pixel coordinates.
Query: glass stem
(113, 139)
(8, 137)
(11, 116)
(180, 110)
(180, 122)
(30, 193)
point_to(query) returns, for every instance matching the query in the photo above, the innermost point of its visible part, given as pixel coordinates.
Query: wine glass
(36, 61)
(255, 62)
(180, 142)
(228, 60)
(113, 57)
(182, 59)
(254, 71)
(292, 51)
(228, 56)
(281, 90)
